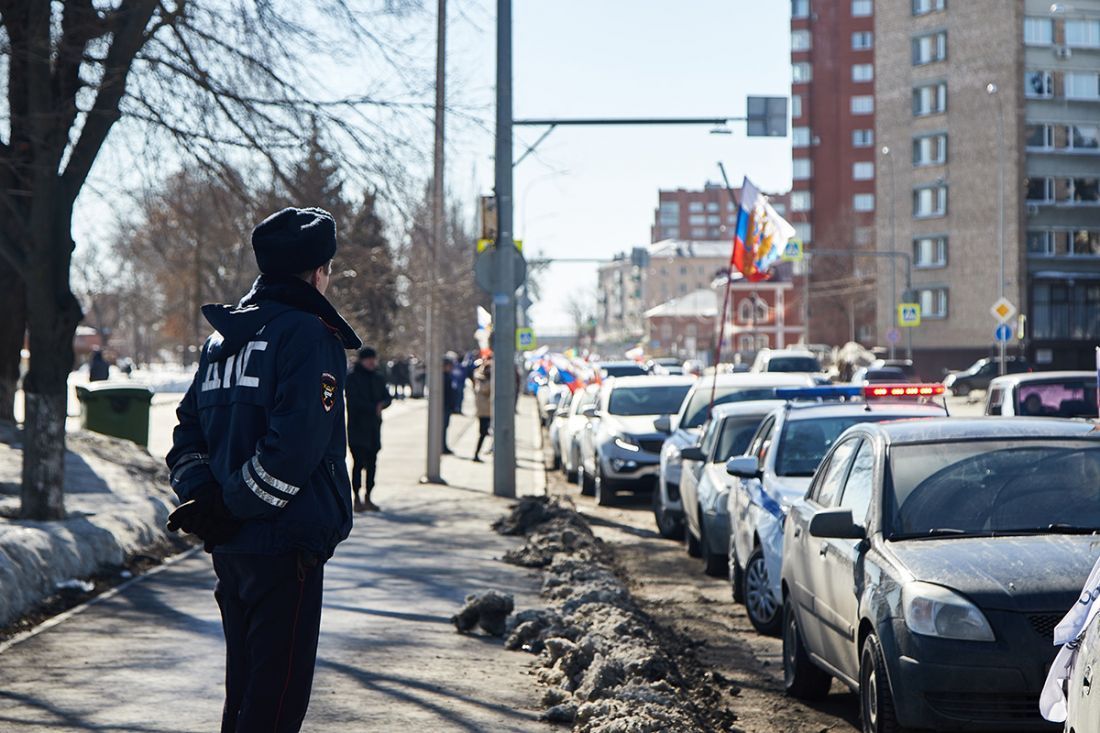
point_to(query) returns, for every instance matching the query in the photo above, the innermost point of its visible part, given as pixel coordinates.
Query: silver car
(571, 424)
(620, 447)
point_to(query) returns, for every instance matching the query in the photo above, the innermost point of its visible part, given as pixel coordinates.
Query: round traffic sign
(1003, 332)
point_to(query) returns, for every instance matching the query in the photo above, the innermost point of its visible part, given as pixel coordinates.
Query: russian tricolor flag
(760, 235)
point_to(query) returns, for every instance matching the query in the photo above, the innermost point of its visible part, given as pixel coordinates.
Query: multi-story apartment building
(832, 201)
(988, 122)
(707, 214)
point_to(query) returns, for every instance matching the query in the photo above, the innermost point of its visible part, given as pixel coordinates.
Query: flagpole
(726, 299)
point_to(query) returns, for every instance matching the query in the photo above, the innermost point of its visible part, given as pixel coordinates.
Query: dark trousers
(482, 433)
(363, 458)
(446, 425)
(271, 614)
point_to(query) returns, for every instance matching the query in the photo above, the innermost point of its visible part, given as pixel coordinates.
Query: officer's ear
(319, 278)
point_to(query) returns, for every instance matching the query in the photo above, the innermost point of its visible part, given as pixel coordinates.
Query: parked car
(931, 561)
(877, 375)
(788, 361)
(705, 485)
(621, 369)
(1067, 696)
(1043, 394)
(557, 420)
(548, 396)
(653, 365)
(686, 429)
(981, 373)
(620, 447)
(775, 473)
(572, 426)
(905, 365)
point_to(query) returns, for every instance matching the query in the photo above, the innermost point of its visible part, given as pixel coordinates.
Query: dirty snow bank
(607, 666)
(117, 498)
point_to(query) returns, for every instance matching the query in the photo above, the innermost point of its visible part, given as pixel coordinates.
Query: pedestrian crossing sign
(908, 315)
(484, 244)
(792, 251)
(525, 339)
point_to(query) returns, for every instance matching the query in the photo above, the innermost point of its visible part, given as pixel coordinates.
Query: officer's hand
(206, 516)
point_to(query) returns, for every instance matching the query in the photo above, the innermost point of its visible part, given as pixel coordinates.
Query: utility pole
(434, 357)
(887, 154)
(504, 285)
(992, 90)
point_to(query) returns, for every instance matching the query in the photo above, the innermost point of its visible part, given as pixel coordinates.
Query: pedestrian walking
(98, 368)
(367, 397)
(483, 397)
(258, 462)
(448, 399)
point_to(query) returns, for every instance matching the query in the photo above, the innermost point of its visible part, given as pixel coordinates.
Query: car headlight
(627, 444)
(932, 610)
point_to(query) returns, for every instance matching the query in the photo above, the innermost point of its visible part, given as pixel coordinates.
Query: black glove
(206, 516)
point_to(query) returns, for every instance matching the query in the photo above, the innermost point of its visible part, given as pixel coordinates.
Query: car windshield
(885, 374)
(987, 488)
(737, 432)
(793, 364)
(1066, 398)
(656, 400)
(696, 413)
(623, 370)
(805, 442)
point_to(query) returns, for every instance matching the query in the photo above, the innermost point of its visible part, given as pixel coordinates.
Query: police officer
(258, 462)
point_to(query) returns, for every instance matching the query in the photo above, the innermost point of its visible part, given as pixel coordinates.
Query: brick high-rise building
(699, 215)
(832, 201)
(946, 74)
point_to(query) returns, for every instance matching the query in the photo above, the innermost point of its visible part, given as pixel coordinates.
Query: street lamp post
(992, 90)
(886, 153)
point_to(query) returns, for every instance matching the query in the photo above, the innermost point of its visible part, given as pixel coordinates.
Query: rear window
(805, 442)
(1069, 398)
(665, 400)
(737, 432)
(696, 413)
(793, 364)
(624, 370)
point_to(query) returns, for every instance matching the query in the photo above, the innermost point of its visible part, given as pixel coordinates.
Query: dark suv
(981, 373)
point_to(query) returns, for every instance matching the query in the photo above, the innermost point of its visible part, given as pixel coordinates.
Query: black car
(622, 369)
(981, 373)
(930, 562)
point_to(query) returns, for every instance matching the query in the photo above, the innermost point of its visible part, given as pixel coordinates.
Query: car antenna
(945, 409)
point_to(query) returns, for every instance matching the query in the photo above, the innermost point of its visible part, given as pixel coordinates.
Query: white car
(686, 428)
(549, 396)
(1043, 394)
(775, 473)
(789, 361)
(561, 415)
(572, 422)
(705, 484)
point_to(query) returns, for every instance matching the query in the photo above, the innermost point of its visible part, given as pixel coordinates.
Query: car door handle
(797, 532)
(1086, 680)
(824, 550)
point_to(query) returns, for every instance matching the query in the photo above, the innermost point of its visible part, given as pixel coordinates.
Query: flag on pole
(760, 236)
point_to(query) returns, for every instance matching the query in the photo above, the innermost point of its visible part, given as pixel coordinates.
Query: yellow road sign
(792, 251)
(908, 315)
(525, 339)
(484, 244)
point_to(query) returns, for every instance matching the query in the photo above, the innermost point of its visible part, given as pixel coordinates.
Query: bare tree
(218, 79)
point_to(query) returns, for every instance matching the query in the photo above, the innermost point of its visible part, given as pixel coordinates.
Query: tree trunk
(13, 329)
(52, 317)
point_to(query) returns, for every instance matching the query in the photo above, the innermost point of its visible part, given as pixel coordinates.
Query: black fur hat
(294, 240)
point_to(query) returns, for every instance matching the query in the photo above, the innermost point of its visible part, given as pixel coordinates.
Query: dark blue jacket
(264, 419)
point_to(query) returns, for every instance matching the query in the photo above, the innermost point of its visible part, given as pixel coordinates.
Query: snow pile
(603, 660)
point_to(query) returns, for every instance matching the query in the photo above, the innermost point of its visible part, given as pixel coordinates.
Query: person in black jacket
(258, 461)
(367, 397)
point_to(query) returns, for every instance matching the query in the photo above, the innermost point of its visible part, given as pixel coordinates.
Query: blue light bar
(815, 393)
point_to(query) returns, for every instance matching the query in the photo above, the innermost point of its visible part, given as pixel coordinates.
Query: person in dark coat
(367, 398)
(448, 399)
(98, 368)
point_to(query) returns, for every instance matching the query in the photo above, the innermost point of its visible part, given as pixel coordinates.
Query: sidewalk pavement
(150, 656)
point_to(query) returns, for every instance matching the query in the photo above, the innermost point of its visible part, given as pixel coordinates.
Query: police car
(778, 467)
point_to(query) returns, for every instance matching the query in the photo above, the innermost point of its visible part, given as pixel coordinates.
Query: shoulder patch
(328, 391)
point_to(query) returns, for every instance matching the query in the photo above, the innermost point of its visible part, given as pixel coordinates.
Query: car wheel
(557, 460)
(736, 574)
(605, 495)
(690, 543)
(572, 476)
(801, 677)
(668, 524)
(961, 390)
(714, 565)
(764, 612)
(876, 702)
(584, 480)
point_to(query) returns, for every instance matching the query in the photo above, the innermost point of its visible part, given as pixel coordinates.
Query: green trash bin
(118, 410)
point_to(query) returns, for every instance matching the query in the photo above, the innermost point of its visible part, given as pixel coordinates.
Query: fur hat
(294, 240)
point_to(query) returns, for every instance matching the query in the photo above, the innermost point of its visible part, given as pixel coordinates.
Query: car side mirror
(693, 453)
(589, 411)
(663, 424)
(551, 409)
(836, 524)
(743, 467)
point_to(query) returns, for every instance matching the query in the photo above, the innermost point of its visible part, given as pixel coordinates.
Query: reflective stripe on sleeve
(272, 500)
(267, 478)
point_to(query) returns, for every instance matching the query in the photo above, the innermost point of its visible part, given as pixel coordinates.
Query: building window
(1040, 243)
(1040, 190)
(930, 149)
(1039, 137)
(863, 72)
(800, 8)
(697, 219)
(1084, 138)
(800, 137)
(803, 231)
(1083, 33)
(671, 232)
(930, 201)
(930, 99)
(1082, 85)
(801, 201)
(713, 206)
(744, 311)
(862, 8)
(930, 252)
(863, 104)
(698, 233)
(1038, 31)
(1084, 191)
(780, 207)
(801, 40)
(933, 302)
(695, 206)
(863, 40)
(1038, 84)
(1065, 310)
(863, 138)
(863, 202)
(929, 48)
(802, 169)
(863, 171)
(924, 7)
(796, 106)
(714, 220)
(802, 73)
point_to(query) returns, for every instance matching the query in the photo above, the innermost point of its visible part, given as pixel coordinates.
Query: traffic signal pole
(504, 286)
